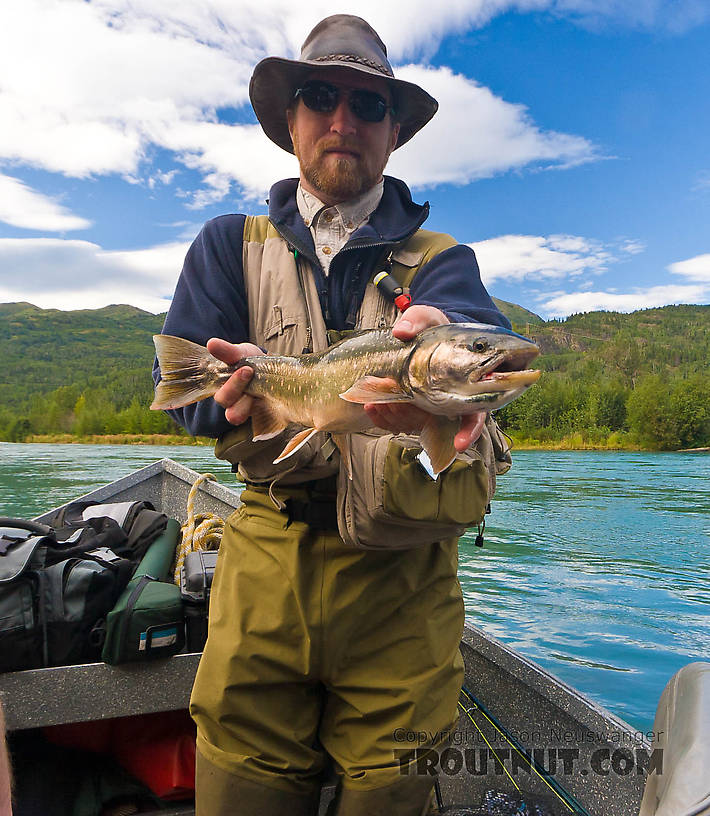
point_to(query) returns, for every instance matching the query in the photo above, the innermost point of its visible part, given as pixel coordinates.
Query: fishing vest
(285, 318)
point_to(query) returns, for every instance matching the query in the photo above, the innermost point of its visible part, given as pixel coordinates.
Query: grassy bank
(578, 441)
(119, 439)
(575, 441)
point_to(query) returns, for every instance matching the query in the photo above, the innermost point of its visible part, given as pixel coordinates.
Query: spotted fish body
(448, 371)
(307, 389)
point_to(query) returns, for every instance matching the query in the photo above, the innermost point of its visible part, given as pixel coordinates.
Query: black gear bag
(58, 583)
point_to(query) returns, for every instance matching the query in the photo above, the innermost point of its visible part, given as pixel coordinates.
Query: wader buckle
(317, 513)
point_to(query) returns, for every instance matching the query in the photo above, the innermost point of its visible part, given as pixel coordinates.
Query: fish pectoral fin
(375, 389)
(342, 442)
(437, 439)
(266, 423)
(295, 443)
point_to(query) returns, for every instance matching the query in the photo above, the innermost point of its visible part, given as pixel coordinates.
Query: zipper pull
(279, 316)
(307, 349)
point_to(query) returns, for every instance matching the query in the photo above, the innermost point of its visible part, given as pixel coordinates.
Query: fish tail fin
(184, 371)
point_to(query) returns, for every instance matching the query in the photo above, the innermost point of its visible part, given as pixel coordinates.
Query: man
(319, 654)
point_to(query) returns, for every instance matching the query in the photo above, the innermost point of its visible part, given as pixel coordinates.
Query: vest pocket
(406, 491)
(281, 336)
(392, 503)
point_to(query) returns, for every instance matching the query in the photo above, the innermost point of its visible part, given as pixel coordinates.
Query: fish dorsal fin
(266, 423)
(375, 389)
(295, 444)
(437, 439)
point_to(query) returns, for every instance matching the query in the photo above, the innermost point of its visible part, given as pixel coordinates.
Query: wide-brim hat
(339, 41)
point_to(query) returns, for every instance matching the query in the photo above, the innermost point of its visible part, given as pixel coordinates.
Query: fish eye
(479, 346)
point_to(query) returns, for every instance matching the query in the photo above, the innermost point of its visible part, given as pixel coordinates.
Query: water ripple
(595, 565)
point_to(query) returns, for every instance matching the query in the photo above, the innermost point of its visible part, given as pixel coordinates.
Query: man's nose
(343, 120)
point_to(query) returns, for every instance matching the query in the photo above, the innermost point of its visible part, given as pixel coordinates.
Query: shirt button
(328, 217)
(349, 225)
(327, 250)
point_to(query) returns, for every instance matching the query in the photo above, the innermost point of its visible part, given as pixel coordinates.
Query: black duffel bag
(139, 520)
(55, 595)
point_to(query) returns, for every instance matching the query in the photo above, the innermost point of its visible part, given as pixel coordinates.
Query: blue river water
(596, 564)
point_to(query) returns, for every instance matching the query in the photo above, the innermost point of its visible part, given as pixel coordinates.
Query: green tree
(19, 430)
(650, 414)
(690, 404)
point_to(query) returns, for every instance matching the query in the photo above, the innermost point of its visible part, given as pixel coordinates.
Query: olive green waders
(320, 650)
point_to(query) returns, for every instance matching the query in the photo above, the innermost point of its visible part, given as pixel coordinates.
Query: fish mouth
(505, 371)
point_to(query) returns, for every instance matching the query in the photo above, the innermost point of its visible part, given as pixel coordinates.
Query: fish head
(481, 366)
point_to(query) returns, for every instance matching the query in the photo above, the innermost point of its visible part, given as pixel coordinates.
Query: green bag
(149, 618)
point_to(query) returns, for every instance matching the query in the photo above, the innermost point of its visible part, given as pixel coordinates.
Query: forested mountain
(606, 374)
(608, 379)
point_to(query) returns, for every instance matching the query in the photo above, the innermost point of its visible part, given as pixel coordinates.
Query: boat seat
(682, 731)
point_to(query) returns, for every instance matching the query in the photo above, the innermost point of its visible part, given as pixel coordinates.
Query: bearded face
(340, 155)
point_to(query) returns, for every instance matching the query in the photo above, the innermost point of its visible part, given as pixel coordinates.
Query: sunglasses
(323, 97)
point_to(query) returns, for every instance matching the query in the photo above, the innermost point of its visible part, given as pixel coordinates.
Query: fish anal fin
(295, 443)
(437, 439)
(375, 389)
(266, 423)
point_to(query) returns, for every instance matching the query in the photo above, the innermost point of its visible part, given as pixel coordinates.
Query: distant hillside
(517, 314)
(673, 340)
(43, 349)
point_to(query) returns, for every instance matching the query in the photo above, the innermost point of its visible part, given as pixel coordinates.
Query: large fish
(448, 371)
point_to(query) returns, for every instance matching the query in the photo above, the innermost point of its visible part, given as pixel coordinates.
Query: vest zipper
(308, 348)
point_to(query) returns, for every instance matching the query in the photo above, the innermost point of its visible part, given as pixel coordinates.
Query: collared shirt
(331, 227)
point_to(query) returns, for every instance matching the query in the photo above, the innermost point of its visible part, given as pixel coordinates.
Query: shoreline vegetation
(570, 442)
(119, 439)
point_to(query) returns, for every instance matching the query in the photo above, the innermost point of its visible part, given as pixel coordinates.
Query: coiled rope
(201, 531)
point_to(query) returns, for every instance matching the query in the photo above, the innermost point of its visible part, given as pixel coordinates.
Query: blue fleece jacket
(210, 298)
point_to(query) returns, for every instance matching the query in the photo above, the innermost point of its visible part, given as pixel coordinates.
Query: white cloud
(566, 304)
(672, 15)
(696, 269)
(539, 261)
(21, 206)
(91, 88)
(632, 246)
(64, 274)
(533, 257)
(476, 134)
(560, 304)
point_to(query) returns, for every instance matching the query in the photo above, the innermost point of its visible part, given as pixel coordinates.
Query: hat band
(353, 58)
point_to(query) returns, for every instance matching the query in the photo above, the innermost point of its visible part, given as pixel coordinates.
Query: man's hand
(231, 396)
(402, 418)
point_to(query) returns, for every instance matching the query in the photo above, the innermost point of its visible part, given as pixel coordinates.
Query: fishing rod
(565, 797)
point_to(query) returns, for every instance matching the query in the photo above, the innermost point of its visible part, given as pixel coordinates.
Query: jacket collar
(395, 219)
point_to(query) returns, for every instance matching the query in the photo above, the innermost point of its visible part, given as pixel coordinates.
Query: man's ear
(289, 121)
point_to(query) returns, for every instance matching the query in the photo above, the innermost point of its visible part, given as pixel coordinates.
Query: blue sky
(570, 148)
